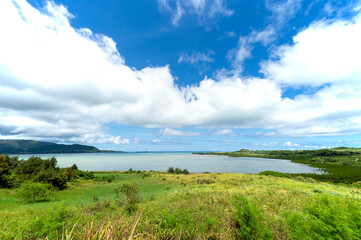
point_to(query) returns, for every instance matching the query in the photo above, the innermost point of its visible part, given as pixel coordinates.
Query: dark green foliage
(41, 170)
(85, 174)
(185, 171)
(7, 166)
(177, 170)
(336, 173)
(109, 178)
(248, 220)
(74, 167)
(34, 192)
(36, 147)
(127, 195)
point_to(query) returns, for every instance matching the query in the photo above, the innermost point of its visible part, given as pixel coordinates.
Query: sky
(182, 75)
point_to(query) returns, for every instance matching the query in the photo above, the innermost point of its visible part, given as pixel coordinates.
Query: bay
(161, 161)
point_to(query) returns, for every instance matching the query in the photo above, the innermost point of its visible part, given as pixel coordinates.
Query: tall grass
(108, 228)
(193, 206)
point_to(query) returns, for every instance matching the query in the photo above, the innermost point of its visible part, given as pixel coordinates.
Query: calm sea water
(161, 162)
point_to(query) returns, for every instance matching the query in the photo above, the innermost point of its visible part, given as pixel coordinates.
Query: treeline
(337, 165)
(14, 172)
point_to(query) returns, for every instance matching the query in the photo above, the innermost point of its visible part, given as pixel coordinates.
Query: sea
(161, 161)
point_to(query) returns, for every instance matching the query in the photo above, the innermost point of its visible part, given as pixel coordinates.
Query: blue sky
(191, 75)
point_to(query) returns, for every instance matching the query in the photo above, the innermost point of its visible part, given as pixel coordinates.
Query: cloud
(289, 144)
(174, 132)
(223, 132)
(284, 10)
(246, 44)
(196, 57)
(169, 142)
(271, 144)
(205, 10)
(58, 82)
(102, 139)
(324, 53)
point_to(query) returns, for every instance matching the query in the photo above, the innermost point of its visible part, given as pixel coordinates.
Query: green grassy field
(194, 206)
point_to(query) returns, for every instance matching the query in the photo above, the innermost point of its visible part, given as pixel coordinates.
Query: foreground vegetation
(167, 205)
(339, 165)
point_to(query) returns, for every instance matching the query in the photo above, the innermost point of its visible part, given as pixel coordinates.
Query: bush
(85, 174)
(127, 195)
(35, 192)
(70, 174)
(41, 170)
(185, 171)
(74, 167)
(7, 164)
(177, 170)
(109, 178)
(248, 219)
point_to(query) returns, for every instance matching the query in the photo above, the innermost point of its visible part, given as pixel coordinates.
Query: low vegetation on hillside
(39, 147)
(339, 165)
(169, 205)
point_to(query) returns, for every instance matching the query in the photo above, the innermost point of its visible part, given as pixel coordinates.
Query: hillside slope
(37, 147)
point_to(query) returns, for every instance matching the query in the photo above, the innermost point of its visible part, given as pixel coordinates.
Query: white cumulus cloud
(175, 132)
(64, 83)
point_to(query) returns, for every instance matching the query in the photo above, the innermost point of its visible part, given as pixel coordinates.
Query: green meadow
(186, 206)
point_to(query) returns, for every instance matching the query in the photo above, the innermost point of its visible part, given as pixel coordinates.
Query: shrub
(177, 170)
(35, 192)
(248, 218)
(41, 170)
(108, 178)
(70, 174)
(7, 164)
(86, 174)
(127, 195)
(74, 167)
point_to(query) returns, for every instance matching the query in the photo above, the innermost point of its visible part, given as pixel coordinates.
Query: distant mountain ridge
(38, 147)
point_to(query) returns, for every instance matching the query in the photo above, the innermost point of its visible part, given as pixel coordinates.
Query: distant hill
(36, 147)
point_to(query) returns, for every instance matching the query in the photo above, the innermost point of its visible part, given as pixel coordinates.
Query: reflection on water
(161, 162)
